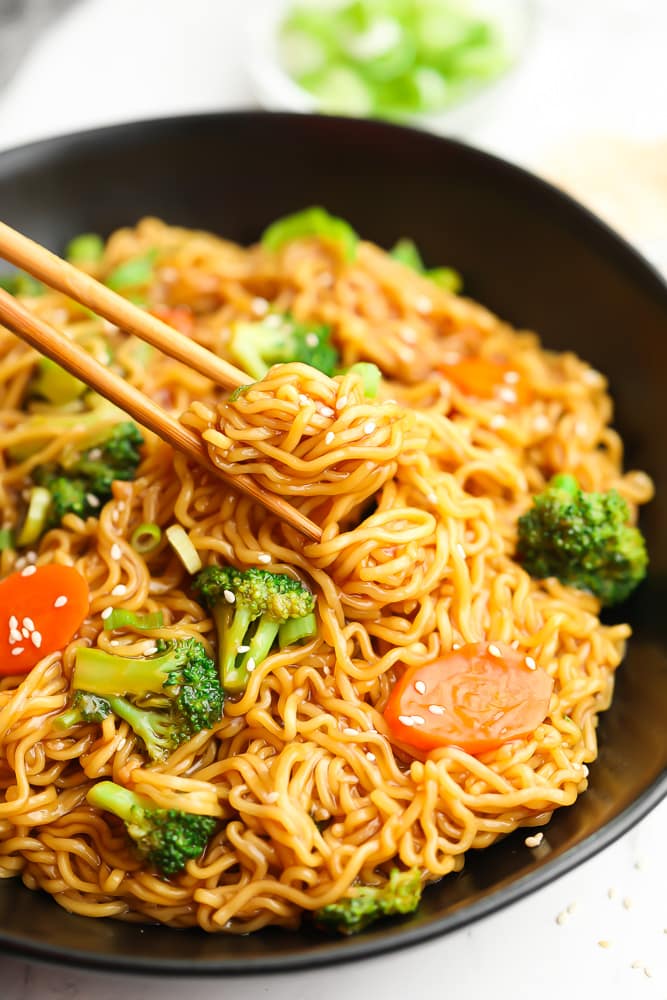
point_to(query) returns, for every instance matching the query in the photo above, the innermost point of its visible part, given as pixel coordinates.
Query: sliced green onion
(21, 283)
(183, 547)
(56, 384)
(122, 617)
(406, 252)
(313, 221)
(88, 248)
(6, 539)
(296, 629)
(132, 273)
(36, 516)
(370, 375)
(445, 277)
(239, 392)
(146, 538)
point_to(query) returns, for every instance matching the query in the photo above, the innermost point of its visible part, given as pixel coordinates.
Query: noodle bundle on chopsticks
(309, 784)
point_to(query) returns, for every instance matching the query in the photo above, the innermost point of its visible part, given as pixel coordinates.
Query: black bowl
(525, 250)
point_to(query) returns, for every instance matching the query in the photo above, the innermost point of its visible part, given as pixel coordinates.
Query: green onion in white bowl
(416, 60)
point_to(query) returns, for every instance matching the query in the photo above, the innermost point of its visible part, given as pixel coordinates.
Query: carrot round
(487, 379)
(41, 609)
(476, 698)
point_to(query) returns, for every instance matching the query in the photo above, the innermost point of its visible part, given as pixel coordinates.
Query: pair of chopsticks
(57, 273)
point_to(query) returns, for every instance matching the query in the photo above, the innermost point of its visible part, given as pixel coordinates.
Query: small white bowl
(277, 91)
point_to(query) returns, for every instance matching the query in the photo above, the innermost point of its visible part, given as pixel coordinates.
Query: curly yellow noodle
(417, 493)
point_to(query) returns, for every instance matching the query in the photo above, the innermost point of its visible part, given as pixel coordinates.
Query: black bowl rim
(400, 935)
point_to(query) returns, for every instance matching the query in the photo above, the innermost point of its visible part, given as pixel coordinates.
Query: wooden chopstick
(45, 339)
(57, 273)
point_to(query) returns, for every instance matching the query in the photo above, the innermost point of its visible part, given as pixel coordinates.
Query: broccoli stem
(67, 719)
(117, 800)
(232, 624)
(260, 645)
(296, 629)
(108, 674)
(144, 723)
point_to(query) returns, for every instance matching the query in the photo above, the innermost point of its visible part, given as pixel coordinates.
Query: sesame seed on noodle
(105, 614)
(370, 756)
(271, 797)
(263, 557)
(116, 551)
(341, 402)
(119, 590)
(349, 731)
(329, 437)
(369, 427)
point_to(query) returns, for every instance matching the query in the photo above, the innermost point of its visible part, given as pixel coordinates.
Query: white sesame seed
(534, 841)
(349, 731)
(116, 551)
(95, 454)
(243, 649)
(119, 590)
(60, 602)
(420, 687)
(271, 797)
(418, 720)
(14, 636)
(506, 394)
(611, 892)
(572, 907)
(432, 497)
(637, 964)
(13, 622)
(436, 709)
(647, 972)
(259, 306)
(28, 623)
(494, 651)
(28, 571)
(341, 402)
(370, 756)
(312, 340)
(93, 501)
(250, 665)
(17, 650)
(325, 411)
(580, 428)
(423, 304)
(31, 557)
(407, 720)
(114, 642)
(304, 400)
(25, 632)
(105, 614)
(561, 918)
(263, 557)
(456, 645)
(408, 334)
(586, 771)
(530, 663)
(511, 378)
(541, 423)
(497, 421)
(228, 596)
(369, 427)
(150, 650)
(627, 903)
(36, 638)
(329, 437)
(461, 551)
(604, 944)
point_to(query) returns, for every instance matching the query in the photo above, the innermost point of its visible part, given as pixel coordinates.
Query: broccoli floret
(166, 699)
(400, 894)
(583, 539)
(81, 482)
(279, 339)
(248, 607)
(84, 708)
(167, 838)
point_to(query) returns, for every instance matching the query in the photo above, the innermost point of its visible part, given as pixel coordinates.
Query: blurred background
(574, 89)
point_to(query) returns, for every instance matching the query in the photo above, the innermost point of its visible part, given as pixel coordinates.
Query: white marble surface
(594, 66)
